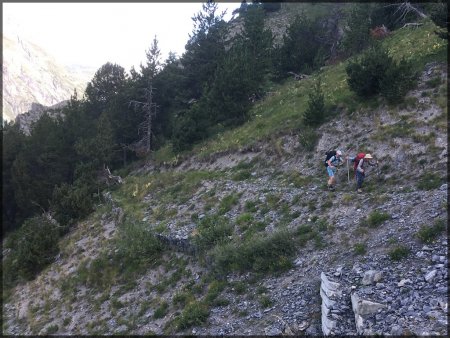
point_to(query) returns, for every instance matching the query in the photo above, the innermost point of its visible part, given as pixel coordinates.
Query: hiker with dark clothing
(332, 161)
(360, 171)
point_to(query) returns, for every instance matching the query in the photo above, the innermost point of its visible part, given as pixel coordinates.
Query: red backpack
(357, 159)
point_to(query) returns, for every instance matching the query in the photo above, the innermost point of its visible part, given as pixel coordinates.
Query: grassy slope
(135, 252)
(282, 111)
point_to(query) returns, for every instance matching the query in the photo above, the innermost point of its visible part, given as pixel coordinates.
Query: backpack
(357, 159)
(329, 154)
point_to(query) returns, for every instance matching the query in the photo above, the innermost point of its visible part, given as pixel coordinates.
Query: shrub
(260, 253)
(182, 298)
(375, 72)
(244, 221)
(315, 112)
(429, 181)
(398, 253)
(214, 289)
(428, 234)
(227, 203)
(196, 313)
(376, 218)
(397, 80)
(136, 242)
(242, 175)
(359, 249)
(265, 301)
(212, 230)
(308, 139)
(52, 329)
(250, 206)
(33, 247)
(71, 202)
(161, 311)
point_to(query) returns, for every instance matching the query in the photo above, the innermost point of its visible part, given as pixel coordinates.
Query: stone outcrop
(26, 120)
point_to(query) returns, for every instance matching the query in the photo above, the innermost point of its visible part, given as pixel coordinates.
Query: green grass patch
(227, 203)
(161, 311)
(429, 181)
(239, 288)
(296, 179)
(261, 253)
(244, 221)
(195, 314)
(427, 234)
(265, 301)
(399, 252)
(375, 219)
(212, 230)
(359, 249)
(214, 290)
(251, 206)
(242, 175)
(183, 298)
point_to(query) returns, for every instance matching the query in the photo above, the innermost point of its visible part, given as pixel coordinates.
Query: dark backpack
(357, 159)
(329, 154)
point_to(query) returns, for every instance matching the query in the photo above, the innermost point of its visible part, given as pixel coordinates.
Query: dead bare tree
(149, 108)
(405, 8)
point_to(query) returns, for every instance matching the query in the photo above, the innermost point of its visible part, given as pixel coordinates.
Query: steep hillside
(241, 236)
(30, 75)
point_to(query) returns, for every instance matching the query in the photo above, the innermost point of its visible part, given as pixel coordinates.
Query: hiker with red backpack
(360, 165)
(332, 161)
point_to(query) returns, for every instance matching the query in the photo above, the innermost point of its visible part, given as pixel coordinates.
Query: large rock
(361, 308)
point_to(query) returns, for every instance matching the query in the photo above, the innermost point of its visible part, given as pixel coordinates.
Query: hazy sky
(92, 34)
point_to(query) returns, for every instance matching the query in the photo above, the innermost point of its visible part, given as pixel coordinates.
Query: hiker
(332, 160)
(360, 165)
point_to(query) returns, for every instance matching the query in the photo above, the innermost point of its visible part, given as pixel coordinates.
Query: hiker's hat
(338, 152)
(368, 156)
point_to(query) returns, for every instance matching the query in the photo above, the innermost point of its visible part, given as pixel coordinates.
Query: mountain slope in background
(30, 75)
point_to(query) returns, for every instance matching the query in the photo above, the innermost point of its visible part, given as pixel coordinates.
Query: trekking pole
(348, 172)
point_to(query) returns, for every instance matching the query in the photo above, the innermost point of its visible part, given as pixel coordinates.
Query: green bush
(33, 246)
(429, 181)
(359, 249)
(308, 138)
(161, 311)
(315, 112)
(136, 242)
(212, 230)
(376, 218)
(195, 314)
(375, 72)
(261, 253)
(242, 175)
(227, 203)
(398, 253)
(71, 202)
(428, 234)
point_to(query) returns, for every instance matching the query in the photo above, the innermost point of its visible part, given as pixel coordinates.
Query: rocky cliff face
(25, 120)
(32, 75)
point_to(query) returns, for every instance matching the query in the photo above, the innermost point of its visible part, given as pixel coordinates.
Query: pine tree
(315, 112)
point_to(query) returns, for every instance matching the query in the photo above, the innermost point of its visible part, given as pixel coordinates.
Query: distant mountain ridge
(31, 75)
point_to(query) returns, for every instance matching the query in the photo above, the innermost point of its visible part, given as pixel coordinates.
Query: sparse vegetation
(195, 314)
(399, 252)
(161, 311)
(375, 219)
(428, 234)
(429, 181)
(359, 249)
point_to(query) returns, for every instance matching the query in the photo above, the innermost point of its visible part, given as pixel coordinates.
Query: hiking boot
(359, 190)
(331, 187)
